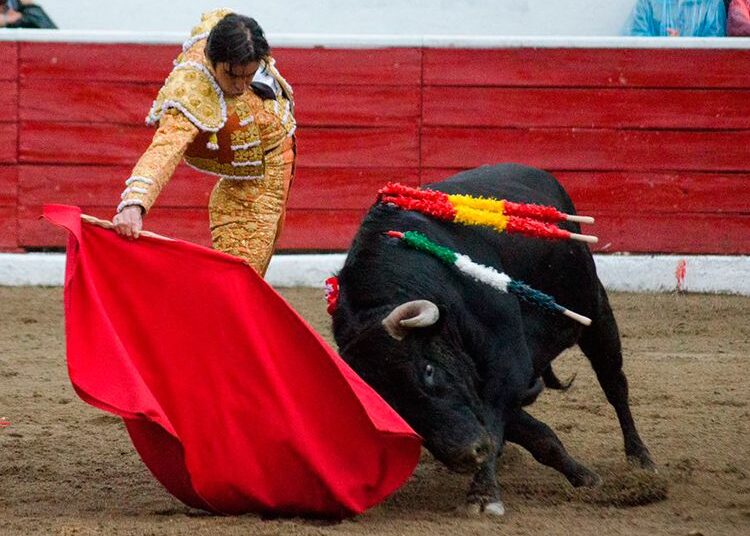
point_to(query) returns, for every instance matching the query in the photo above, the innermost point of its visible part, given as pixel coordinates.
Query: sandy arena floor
(69, 469)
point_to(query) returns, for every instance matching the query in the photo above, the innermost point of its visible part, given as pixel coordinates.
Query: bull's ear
(410, 315)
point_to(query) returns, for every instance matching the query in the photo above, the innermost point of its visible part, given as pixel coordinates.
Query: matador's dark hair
(236, 40)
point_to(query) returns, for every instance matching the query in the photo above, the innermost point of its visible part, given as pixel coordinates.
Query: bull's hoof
(585, 478)
(643, 461)
(495, 508)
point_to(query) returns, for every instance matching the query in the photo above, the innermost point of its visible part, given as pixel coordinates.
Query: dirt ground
(69, 469)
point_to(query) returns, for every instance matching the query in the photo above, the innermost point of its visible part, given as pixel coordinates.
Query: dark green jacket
(33, 16)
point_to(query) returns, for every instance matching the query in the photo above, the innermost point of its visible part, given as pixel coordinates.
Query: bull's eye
(429, 375)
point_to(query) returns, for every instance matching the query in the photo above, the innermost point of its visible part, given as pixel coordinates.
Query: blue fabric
(684, 18)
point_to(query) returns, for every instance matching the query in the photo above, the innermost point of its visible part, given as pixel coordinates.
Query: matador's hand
(129, 221)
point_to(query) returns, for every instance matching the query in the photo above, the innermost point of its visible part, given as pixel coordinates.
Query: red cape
(233, 402)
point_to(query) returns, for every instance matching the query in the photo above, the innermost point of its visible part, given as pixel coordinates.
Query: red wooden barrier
(586, 67)
(344, 188)
(626, 192)
(96, 62)
(66, 101)
(8, 101)
(333, 229)
(8, 143)
(588, 149)
(669, 233)
(400, 67)
(9, 65)
(362, 106)
(587, 108)
(46, 142)
(651, 142)
(8, 229)
(8, 203)
(100, 186)
(8, 146)
(151, 63)
(8, 185)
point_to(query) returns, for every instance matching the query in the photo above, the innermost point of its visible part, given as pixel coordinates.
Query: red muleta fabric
(233, 402)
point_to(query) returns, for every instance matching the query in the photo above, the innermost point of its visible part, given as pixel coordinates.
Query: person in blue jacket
(678, 18)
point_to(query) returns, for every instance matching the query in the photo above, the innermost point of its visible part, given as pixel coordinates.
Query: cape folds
(233, 402)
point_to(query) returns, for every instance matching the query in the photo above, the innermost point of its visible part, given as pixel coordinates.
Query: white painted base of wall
(631, 273)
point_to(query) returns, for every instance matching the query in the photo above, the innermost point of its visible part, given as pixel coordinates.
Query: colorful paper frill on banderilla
(501, 215)
(488, 275)
(233, 402)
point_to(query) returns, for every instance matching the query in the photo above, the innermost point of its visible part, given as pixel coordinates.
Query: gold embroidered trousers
(247, 216)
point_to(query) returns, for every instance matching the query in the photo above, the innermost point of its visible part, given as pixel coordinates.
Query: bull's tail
(553, 382)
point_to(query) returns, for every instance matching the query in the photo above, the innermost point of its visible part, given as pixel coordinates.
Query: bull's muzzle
(469, 458)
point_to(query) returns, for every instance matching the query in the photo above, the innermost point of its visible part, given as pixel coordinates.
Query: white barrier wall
(411, 17)
(636, 273)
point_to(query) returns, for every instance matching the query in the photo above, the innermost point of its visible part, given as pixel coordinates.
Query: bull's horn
(413, 314)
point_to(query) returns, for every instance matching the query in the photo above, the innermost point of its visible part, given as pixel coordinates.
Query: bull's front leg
(484, 492)
(544, 445)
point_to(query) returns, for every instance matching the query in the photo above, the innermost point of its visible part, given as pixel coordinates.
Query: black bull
(460, 360)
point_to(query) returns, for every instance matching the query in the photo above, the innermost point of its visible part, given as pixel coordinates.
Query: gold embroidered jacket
(234, 138)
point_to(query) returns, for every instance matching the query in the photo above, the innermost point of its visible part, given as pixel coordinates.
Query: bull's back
(563, 269)
(514, 182)
(549, 265)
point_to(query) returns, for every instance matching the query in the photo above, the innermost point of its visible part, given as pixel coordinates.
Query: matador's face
(234, 79)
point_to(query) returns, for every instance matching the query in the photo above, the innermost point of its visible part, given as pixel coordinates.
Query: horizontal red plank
(8, 185)
(8, 228)
(186, 224)
(344, 188)
(627, 192)
(83, 100)
(9, 63)
(76, 101)
(303, 229)
(382, 67)
(79, 143)
(701, 234)
(318, 188)
(359, 147)
(588, 108)
(678, 193)
(637, 213)
(546, 67)
(101, 186)
(343, 105)
(97, 62)
(8, 143)
(152, 63)
(69, 100)
(320, 230)
(8, 101)
(587, 149)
